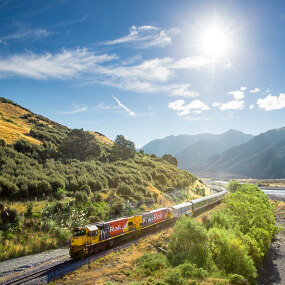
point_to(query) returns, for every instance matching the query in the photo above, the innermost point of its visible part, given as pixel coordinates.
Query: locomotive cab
(82, 238)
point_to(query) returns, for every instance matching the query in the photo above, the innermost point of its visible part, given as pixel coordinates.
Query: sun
(215, 42)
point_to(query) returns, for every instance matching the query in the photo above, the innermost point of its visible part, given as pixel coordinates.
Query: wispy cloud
(243, 88)
(255, 90)
(232, 105)
(30, 34)
(182, 109)
(101, 106)
(145, 36)
(149, 76)
(67, 23)
(77, 109)
(270, 102)
(63, 65)
(251, 107)
(131, 113)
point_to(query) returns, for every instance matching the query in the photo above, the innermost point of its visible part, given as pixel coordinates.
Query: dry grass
(12, 127)
(22, 206)
(120, 267)
(101, 138)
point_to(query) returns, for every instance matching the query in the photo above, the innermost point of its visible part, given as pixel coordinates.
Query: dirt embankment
(272, 270)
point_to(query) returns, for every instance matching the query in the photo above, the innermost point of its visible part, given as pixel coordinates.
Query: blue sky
(146, 69)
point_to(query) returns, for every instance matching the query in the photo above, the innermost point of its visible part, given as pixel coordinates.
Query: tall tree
(123, 148)
(81, 145)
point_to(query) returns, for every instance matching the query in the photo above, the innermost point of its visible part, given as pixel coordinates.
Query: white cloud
(149, 76)
(217, 104)
(251, 107)
(270, 102)
(145, 36)
(237, 94)
(243, 88)
(131, 113)
(196, 106)
(77, 109)
(63, 65)
(232, 105)
(255, 90)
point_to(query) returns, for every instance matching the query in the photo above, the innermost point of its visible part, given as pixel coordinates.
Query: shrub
(29, 210)
(188, 242)
(229, 253)
(60, 194)
(81, 197)
(234, 186)
(124, 189)
(174, 277)
(189, 270)
(236, 279)
(85, 188)
(151, 262)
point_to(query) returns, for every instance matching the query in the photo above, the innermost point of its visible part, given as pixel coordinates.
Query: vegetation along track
(48, 273)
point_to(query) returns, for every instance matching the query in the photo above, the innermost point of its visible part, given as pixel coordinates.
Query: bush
(189, 270)
(229, 254)
(174, 277)
(60, 194)
(188, 242)
(81, 197)
(234, 186)
(151, 262)
(124, 189)
(29, 210)
(236, 279)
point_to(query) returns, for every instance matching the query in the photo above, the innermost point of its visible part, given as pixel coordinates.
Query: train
(94, 238)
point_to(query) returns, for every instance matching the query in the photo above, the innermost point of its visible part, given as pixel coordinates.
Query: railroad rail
(46, 274)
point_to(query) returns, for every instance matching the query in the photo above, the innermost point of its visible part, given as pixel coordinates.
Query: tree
(81, 145)
(171, 159)
(122, 149)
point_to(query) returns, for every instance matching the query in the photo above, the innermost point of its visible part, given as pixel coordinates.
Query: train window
(78, 233)
(94, 233)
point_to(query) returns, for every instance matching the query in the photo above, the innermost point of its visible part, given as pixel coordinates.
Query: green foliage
(238, 237)
(230, 254)
(187, 243)
(237, 279)
(151, 262)
(171, 159)
(189, 270)
(174, 277)
(81, 145)
(234, 186)
(122, 149)
(29, 210)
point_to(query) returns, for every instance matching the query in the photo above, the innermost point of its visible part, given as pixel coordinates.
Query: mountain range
(232, 154)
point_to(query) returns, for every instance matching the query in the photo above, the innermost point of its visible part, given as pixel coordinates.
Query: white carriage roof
(181, 205)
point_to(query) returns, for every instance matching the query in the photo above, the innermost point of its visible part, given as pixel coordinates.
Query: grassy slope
(47, 226)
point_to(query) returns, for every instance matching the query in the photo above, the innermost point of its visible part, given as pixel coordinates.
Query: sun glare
(214, 43)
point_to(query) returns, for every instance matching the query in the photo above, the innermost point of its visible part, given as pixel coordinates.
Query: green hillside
(53, 178)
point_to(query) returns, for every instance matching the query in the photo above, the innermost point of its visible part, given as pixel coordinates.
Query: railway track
(48, 273)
